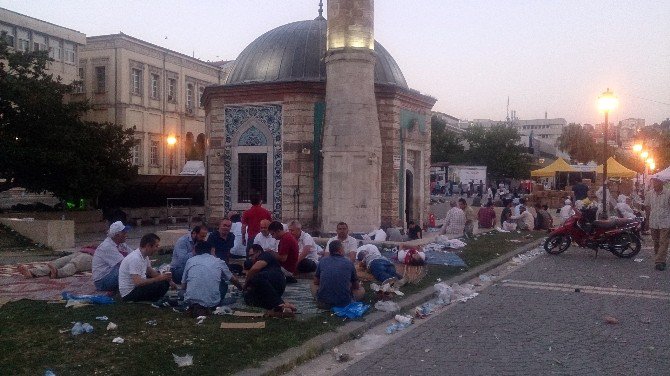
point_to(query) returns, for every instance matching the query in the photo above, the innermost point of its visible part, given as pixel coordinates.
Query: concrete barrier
(169, 237)
(56, 234)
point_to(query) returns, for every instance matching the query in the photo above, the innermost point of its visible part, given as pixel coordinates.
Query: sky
(553, 56)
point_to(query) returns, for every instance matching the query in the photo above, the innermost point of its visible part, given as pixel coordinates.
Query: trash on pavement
(611, 320)
(486, 278)
(341, 357)
(79, 328)
(49, 373)
(644, 276)
(102, 318)
(118, 340)
(112, 326)
(387, 306)
(404, 319)
(183, 361)
(638, 260)
(352, 311)
(370, 342)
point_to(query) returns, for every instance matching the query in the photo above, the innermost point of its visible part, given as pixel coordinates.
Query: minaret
(351, 141)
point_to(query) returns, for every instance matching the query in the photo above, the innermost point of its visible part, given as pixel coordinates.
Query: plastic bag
(444, 293)
(352, 311)
(387, 306)
(183, 361)
(96, 299)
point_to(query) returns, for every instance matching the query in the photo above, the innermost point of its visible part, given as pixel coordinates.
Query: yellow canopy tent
(559, 165)
(616, 170)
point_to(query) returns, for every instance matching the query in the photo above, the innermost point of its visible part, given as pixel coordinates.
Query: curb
(312, 348)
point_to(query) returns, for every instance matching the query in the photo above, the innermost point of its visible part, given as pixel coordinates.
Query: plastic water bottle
(404, 319)
(49, 373)
(87, 327)
(77, 329)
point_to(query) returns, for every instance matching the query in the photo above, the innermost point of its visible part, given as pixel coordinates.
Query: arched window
(189, 147)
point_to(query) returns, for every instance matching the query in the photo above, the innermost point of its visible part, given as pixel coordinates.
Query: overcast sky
(554, 56)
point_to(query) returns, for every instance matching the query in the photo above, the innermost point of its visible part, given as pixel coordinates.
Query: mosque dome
(295, 52)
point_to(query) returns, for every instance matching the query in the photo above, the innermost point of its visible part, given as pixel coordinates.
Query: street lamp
(606, 103)
(637, 148)
(171, 141)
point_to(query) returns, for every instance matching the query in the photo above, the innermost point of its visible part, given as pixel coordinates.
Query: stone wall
(56, 234)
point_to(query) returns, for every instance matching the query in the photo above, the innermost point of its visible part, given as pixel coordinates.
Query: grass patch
(29, 331)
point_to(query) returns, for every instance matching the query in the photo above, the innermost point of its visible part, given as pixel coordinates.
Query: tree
(44, 143)
(499, 149)
(445, 145)
(578, 143)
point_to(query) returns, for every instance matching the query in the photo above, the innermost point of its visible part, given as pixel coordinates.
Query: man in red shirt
(251, 221)
(486, 216)
(287, 250)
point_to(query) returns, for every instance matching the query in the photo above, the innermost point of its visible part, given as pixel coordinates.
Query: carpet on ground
(15, 286)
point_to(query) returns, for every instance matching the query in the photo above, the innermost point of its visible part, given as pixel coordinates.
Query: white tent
(662, 175)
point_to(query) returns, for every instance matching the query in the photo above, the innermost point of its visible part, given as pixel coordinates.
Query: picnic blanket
(14, 286)
(432, 257)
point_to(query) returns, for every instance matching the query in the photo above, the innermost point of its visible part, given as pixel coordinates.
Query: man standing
(335, 282)
(469, 227)
(349, 243)
(251, 220)
(657, 204)
(454, 222)
(307, 256)
(287, 250)
(184, 249)
(222, 240)
(134, 285)
(108, 256)
(265, 239)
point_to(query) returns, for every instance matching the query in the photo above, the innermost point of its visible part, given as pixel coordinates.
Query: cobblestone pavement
(533, 322)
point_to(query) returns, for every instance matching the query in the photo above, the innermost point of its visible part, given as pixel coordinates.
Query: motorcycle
(619, 236)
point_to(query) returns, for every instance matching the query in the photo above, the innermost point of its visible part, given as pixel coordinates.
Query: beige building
(25, 33)
(153, 90)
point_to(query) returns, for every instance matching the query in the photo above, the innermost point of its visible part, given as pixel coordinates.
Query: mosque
(317, 117)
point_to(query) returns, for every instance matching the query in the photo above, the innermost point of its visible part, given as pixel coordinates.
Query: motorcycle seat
(612, 223)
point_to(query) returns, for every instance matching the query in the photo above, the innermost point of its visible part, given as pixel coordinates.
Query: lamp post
(171, 141)
(606, 103)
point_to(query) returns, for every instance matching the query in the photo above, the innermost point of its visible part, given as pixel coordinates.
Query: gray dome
(294, 52)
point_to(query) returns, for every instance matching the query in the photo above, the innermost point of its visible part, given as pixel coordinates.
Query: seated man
(264, 238)
(265, 283)
(380, 267)
(524, 221)
(414, 231)
(287, 249)
(65, 266)
(307, 250)
(377, 235)
(205, 280)
(134, 285)
(184, 249)
(454, 222)
(335, 282)
(222, 240)
(108, 256)
(486, 216)
(349, 242)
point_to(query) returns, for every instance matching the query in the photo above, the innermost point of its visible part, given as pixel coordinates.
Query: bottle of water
(77, 329)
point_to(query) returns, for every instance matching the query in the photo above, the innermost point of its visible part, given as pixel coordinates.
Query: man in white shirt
(134, 285)
(349, 243)
(657, 204)
(377, 235)
(454, 222)
(307, 255)
(265, 239)
(525, 220)
(108, 256)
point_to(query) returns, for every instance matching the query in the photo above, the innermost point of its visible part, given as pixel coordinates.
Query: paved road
(533, 322)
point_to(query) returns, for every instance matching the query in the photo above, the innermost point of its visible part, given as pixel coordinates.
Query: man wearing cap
(657, 204)
(108, 256)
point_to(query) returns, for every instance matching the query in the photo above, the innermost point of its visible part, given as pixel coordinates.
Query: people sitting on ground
(567, 211)
(66, 266)
(547, 216)
(524, 221)
(239, 250)
(543, 219)
(205, 280)
(335, 281)
(308, 258)
(287, 250)
(138, 281)
(108, 256)
(454, 222)
(349, 243)
(222, 240)
(623, 209)
(506, 213)
(394, 235)
(251, 220)
(414, 231)
(265, 283)
(469, 226)
(379, 266)
(184, 249)
(264, 238)
(486, 216)
(519, 202)
(378, 235)
(412, 256)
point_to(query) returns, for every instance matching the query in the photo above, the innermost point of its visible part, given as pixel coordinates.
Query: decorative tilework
(265, 115)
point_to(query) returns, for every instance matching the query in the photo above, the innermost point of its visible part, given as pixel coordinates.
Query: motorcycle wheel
(556, 244)
(626, 245)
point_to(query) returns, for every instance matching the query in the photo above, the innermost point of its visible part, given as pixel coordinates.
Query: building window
(155, 155)
(201, 91)
(8, 35)
(39, 47)
(24, 45)
(69, 56)
(56, 53)
(189, 98)
(100, 80)
(136, 81)
(79, 85)
(252, 176)
(136, 153)
(172, 90)
(154, 86)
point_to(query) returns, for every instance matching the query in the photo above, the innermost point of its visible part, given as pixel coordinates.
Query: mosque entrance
(409, 195)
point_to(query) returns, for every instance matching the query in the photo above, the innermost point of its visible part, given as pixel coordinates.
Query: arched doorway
(409, 195)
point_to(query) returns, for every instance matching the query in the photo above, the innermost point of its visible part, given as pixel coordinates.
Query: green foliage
(499, 149)
(578, 143)
(445, 145)
(45, 144)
